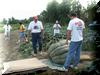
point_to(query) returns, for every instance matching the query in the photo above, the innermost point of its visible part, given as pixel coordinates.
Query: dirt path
(8, 49)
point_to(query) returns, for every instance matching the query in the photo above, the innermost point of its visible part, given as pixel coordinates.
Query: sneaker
(75, 67)
(41, 53)
(71, 66)
(62, 69)
(65, 69)
(34, 54)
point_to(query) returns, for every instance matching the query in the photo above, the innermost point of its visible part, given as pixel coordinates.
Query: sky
(21, 9)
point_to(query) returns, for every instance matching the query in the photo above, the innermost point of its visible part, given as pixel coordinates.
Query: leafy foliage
(1, 28)
(92, 69)
(55, 11)
(26, 49)
(50, 39)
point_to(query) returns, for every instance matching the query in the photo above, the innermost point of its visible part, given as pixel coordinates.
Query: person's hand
(26, 40)
(67, 42)
(42, 36)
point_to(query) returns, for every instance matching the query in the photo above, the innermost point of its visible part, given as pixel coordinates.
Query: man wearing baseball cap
(36, 29)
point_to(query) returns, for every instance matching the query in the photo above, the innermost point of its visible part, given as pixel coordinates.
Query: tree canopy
(60, 11)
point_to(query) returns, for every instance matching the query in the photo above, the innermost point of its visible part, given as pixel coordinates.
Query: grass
(48, 28)
(48, 39)
(1, 28)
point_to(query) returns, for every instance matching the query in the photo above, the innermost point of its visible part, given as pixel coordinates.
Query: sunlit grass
(1, 28)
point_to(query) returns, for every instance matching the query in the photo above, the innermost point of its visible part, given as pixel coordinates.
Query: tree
(4, 21)
(64, 10)
(90, 11)
(13, 20)
(52, 12)
(43, 16)
(76, 7)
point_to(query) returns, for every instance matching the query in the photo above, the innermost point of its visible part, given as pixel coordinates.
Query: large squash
(57, 53)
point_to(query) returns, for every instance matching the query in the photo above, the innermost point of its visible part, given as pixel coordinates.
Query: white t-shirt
(35, 27)
(7, 28)
(56, 28)
(77, 26)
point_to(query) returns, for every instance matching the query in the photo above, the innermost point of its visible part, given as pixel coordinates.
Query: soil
(8, 48)
(9, 51)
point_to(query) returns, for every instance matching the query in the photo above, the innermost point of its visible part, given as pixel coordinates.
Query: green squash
(57, 52)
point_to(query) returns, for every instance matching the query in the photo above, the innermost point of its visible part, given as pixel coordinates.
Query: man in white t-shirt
(7, 29)
(75, 35)
(36, 29)
(56, 28)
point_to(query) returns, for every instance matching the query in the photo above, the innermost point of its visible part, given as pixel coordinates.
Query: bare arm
(42, 33)
(29, 30)
(42, 30)
(68, 35)
(29, 33)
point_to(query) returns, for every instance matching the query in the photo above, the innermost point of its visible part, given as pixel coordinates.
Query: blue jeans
(36, 39)
(22, 36)
(73, 54)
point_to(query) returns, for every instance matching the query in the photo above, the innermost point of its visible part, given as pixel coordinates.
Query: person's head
(7, 23)
(56, 21)
(73, 15)
(20, 23)
(35, 18)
